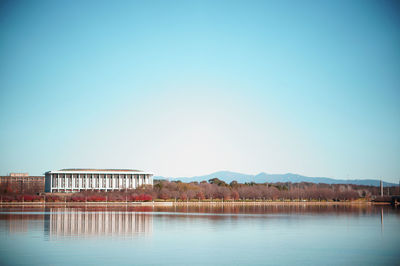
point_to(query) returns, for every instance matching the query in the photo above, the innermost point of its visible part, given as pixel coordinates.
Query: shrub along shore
(214, 191)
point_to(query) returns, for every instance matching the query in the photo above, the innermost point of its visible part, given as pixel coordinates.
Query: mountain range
(228, 177)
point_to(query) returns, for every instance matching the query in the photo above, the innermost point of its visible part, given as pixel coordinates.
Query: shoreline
(161, 204)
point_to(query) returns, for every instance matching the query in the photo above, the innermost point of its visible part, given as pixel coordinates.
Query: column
(107, 182)
(51, 182)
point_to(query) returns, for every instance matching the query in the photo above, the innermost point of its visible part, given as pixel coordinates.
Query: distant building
(74, 180)
(22, 183)
(19, 174)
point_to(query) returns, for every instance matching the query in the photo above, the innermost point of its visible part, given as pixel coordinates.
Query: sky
(185, 88)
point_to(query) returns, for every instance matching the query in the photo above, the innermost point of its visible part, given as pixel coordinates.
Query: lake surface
(201, 235)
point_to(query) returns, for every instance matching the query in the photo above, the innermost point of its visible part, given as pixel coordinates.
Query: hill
(228, 177)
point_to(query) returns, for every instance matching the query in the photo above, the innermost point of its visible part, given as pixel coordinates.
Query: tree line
(218, 189)
(215, 190)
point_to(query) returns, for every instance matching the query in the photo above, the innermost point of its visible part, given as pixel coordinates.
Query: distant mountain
(228, 177)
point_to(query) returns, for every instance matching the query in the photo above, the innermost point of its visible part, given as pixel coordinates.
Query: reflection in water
(22, 222)
(136, 220)
(308, 209)
(381, 220)
(240, 235)
(76, 222)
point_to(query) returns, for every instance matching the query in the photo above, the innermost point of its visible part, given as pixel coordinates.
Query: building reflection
(77, 222)
(22, 222)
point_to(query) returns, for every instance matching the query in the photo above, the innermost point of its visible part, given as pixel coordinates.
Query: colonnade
(70, 182)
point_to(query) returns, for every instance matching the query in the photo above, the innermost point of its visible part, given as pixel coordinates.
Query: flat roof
(98, 171)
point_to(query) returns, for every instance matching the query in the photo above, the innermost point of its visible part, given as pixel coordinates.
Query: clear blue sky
(184, 88)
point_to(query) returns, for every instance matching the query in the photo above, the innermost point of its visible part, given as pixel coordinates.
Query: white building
(73, 180)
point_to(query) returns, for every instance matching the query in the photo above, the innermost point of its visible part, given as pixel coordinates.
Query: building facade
(75, 180)
(22, 183)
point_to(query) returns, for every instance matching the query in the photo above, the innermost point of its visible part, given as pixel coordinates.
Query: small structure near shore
(394, 200)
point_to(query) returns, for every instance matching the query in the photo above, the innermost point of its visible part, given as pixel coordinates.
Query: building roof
(98, 171)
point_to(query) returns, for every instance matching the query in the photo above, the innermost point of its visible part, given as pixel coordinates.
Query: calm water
(242, 235)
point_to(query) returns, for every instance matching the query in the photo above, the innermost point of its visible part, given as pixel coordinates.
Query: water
(240, 235)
